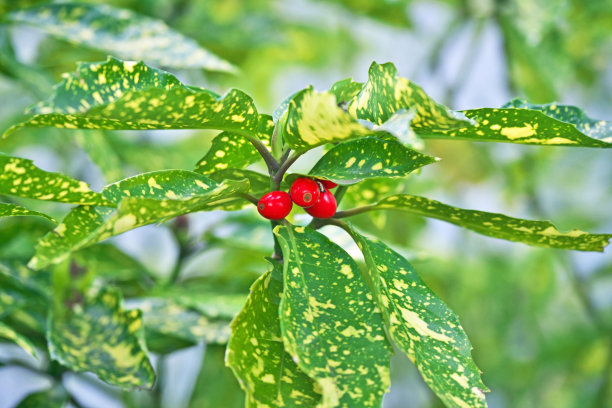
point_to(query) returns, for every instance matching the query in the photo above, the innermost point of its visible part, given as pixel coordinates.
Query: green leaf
(127, 95)
(8, 333)
(98, 335)
(558, 125)
(385, 93)
(257, 355)
(110, 262)
(228, 150)
(16, 293)
(329, 321)
(216, 382)
(168, 317)
(423, 327)
(120, 32)
(369, 157)
(55, 397)
(144, 199)
(314, 119)
(345, 89)
(233, 150)
(259, 185)
(537, 233)
(20, 177)
(12, 210)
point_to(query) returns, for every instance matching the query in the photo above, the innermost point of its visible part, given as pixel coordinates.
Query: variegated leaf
(385, 93)
(20, 177)
(54, 397)
(520, 122)
(257, 355)
(170, 318)
(8, 333)
(144, 199)
(120, 32)
(538, 233)
(423, 327)
(16, 294)
(345, 89)
(98, 335)
(259, 184)
(369, 157)
(12, 210)
(314, 119)
(329, 320)
(127, 95)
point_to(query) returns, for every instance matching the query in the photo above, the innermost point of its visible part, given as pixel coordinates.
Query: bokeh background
(540, 320)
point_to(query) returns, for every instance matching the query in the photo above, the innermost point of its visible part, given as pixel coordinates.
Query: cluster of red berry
(313, 195)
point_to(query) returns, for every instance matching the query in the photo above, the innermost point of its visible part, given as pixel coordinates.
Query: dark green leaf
(98, 335)
(538, 233)
(423, 327)
(216, 382)
(257, 355)
(12, 210)
(20, 177)
(369, 157)
(385, 93)
(110, 262)
(126, 95)
(102, 153)
(144, 199)
(329, 321)
(8, 333)
(120, 32)
(55, 397)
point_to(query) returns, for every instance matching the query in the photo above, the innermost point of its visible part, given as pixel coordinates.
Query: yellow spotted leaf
(423, 327)
(144, 199)
(120, 32)
(256, 353)
(329, 320)
(20, 177)
(12, 210)
(537, 233)
(125, 95)
(524, 123)
(369, 157)
(8, 333)
(98, 335)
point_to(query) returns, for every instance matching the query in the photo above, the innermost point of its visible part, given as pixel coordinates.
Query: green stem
(271, 162)
(250, 198)
(278, 252)
(280, 173)
(355, 211)
(340, 191)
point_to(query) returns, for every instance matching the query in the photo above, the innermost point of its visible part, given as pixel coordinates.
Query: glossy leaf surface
(12, 210)
(329, 320)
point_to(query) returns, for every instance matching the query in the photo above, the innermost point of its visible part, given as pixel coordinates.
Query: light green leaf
(345, 89)
(127, 95)
(12, 210)
(216, 382)
(523, 123)
(369, 157)
(330, 323)
(385, 93)
(144, 199)
(98, 335)
(537, 233)
(168, 317)
(314, 119)
(423, 327)
(257, 355)
(20, 177)
(120, 32)
(6, 332)
(101, 153)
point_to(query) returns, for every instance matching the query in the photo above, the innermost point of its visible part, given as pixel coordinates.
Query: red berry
(325, 207)
(328, 184)
(305, 192)
(275, 205)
